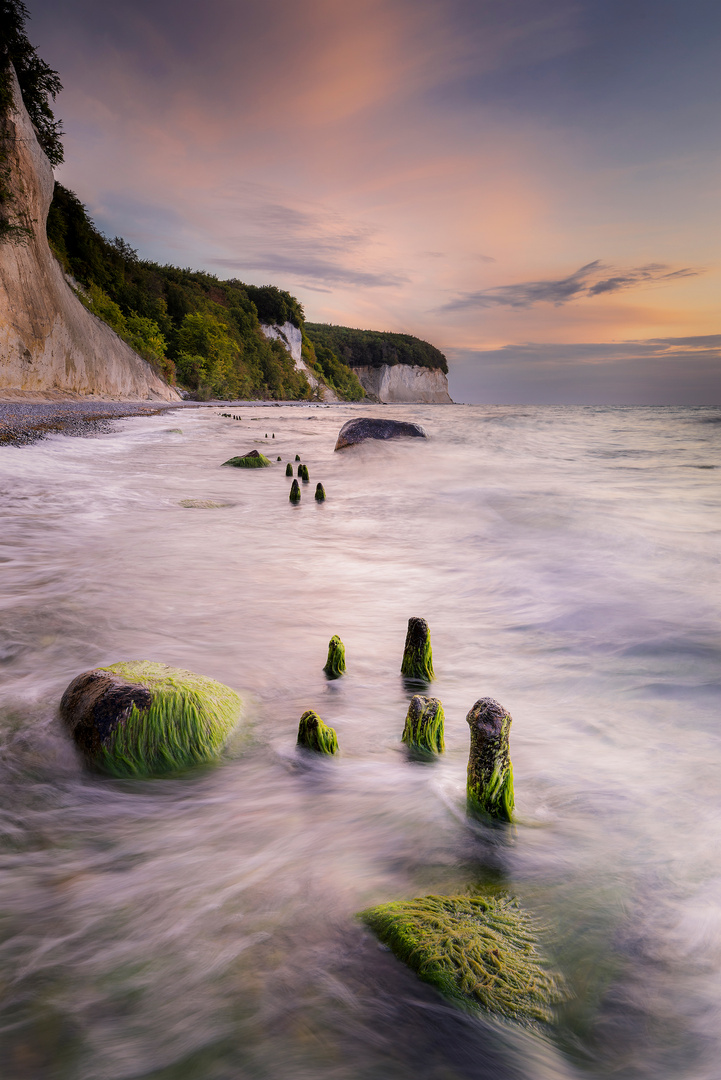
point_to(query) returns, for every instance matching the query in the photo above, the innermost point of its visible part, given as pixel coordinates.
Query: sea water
(204, 927)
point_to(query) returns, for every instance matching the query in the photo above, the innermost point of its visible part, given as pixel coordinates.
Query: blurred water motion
(203, 927)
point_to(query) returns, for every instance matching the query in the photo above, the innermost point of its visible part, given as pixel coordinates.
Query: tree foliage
(372, 348)
(38, 82)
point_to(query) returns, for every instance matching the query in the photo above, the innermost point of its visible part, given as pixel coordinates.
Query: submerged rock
(417, 655)
(202, 504)
(479, 951)
(424, 724)
(140, 718)
(252, 460)
(490, 772)
(314, 735)
(335, 664)
(367, 427)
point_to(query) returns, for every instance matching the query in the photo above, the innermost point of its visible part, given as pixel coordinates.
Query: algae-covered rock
(294, 492)
(251, 460)
(424, 724)
(335, 664)
(368, 427)
(417, 655)
(140, 718)
(313, 734)
(202, 504)
(490, 772)
(289, 469)
(319, 493)
(479, 951)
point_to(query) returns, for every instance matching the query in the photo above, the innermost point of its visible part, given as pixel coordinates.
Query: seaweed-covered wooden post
(490, 772)
(289, 469)
(313, 734)
(424, 724)
(294, 492)
(319, 493)
(303, 473)
(335, 664)
(417, 655)
(297, 457)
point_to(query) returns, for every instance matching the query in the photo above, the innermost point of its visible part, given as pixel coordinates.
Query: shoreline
(25, 422)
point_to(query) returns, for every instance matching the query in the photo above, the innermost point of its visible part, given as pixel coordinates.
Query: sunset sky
(531, 185)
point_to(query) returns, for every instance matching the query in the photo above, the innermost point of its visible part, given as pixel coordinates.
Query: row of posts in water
(489, 783)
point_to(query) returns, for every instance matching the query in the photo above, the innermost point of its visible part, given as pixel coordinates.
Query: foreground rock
(145, 719)
(251, 460)
(481, 952)
(368, 427)
(49, 341)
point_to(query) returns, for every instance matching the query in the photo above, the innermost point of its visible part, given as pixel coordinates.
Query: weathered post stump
(335, 664)
(320, 493)
(294, 492)
(289, 469)
(490, 772)
(303, 473)
(297, 457)
(417, 655)
(314, 735)
(424, 725)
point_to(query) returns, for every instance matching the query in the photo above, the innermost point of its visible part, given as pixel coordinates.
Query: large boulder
(369, 427)
(252, 460)
(140, 718)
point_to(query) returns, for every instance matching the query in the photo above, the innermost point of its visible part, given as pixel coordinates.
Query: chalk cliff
(50, 344)
(292, 340)
(397, 383)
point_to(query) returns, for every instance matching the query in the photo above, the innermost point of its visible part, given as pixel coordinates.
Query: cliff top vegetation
(373, 348)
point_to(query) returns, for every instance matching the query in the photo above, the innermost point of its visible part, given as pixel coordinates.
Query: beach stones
(490, 772)
(141, 718)
(251, 460)
(367, 427)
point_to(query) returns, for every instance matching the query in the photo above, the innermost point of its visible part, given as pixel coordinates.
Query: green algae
(297, 457)
(490, 772)
(314, 735)
(303, 473)
(424, 725)
(319, 493)
(189, 720)
(294, 492)
(289, 469)
(253, 460)
(417, 654)
(481, 952)
(335, 664)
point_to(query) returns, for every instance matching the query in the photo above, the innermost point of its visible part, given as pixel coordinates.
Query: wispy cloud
(593, 279)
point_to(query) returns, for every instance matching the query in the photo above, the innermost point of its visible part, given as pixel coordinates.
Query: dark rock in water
(252, 460)
(424, 725)
(297, 457)
(314, 735)
(367, 427)
(145, 719)
(490, 772)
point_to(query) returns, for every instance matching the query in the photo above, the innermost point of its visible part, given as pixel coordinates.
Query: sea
(205, 926)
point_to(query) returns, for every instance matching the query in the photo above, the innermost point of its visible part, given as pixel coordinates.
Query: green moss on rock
(314, 735)
(335, 664)
(141, 718)
(424, 725)
(417, 654)
(490, 772)
(481, 952)
(253, 460)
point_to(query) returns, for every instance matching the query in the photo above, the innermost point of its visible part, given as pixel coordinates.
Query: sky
(530, 185)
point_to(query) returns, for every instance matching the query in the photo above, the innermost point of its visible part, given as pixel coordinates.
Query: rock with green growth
(289, 469)
(202, 504)
(314, 735)
(481, 952)
(252, 460)
(424, 724)
(335, 664)
(319, 493)
(490, 772)
(417, 654)
(294, 492)
(145, 719)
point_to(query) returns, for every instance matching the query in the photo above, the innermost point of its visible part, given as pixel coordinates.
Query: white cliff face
(407, 383)
(49, 343)
(292, 340)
